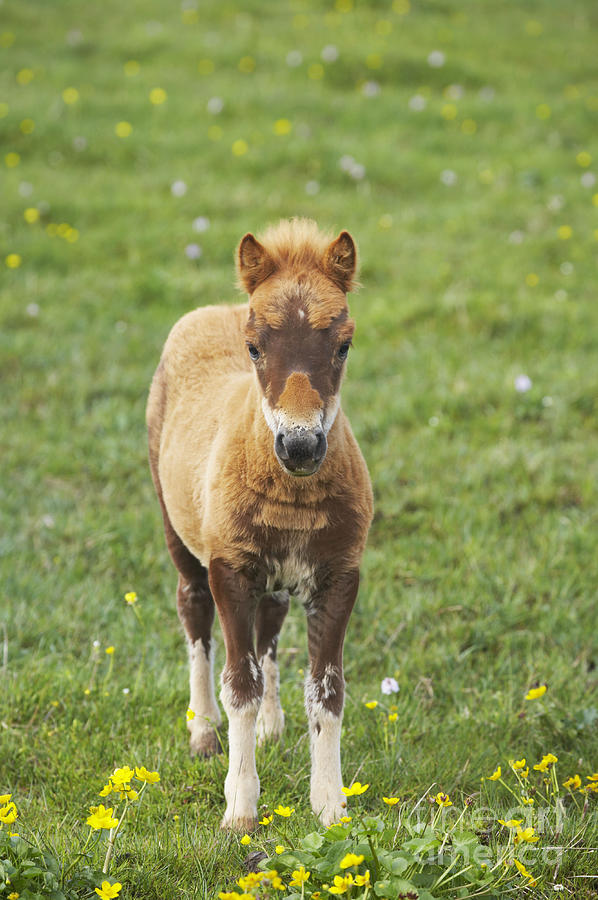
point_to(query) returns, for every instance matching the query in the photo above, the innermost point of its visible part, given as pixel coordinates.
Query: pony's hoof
(242, 824)
(205, 743)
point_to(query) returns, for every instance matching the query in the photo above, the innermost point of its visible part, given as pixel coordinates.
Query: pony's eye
(343, 350)
(253, 351)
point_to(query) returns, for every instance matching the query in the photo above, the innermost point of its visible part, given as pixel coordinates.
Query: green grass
(480, 575)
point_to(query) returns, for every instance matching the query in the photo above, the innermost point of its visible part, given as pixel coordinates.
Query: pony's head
(298, 333)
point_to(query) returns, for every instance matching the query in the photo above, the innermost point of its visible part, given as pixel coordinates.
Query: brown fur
(232, 511)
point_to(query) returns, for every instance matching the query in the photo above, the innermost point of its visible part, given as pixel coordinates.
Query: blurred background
(457, 141)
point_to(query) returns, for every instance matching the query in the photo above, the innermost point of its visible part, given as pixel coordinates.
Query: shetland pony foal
(264, 493)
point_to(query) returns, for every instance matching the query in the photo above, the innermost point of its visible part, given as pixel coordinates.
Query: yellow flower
(517, 763)
(101, 817)
(346, 819)
(110, 650)
(363, 880)
(8, 813)
(316, 72)
(526, 834)
(443, 799)
(284, 811)
(24, 76)
(12, 160)
(371, 704)
(157, 96)
(131, 597)
(4, 798)
(251, 880)
(495, 775)
(123, 130)
(350, 859)
(13, 260)
(143, 775)
(511, 823)
(31, 215)
(546, 761)
(527, 801)
(122, 776)
(282, 126)
(300, 876)
(593, 777)
(14, 896)
(240, 147)
(279, 849)
(341, 884)
(131, 68)
(572, 783)
(107, 789)
(190, 714)
(525, 873)
(245, 840)
(564, 232)
(531, 279)
(266, 820)
(391, 801)
(108, 891)
(392, 717)
(70, 95)
(356, 788)
(524, 772)
(583, 159)
(246, 64)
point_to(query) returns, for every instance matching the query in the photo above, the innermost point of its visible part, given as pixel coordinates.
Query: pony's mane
(296, 243)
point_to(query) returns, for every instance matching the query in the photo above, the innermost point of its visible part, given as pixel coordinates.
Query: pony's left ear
(340, 261)
(254, 263)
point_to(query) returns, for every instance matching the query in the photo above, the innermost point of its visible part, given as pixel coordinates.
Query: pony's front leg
(328, 614)
(241, 694)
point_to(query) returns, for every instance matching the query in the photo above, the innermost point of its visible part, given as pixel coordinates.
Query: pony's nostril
(279, 446)
(321, 446)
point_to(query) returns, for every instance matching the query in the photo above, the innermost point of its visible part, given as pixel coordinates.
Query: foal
(264, 493)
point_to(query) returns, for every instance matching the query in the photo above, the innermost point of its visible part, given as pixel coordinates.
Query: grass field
(458, 142)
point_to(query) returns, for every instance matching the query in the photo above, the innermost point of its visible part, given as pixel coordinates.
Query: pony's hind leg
(195, 607)
(270, 615)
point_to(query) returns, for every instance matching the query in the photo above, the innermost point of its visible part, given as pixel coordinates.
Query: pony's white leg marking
(327, 799)
(270, 720)
(242, 785)
(204, 739)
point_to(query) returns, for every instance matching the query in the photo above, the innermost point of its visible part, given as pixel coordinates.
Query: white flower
(448, 177)
(523, 383)
(389, 686)
(201, 223)
(329, 53)
(516, 237)
(417, 102)
(312, 187)
(294, 58)
(178, 188)
(370, 89)
(556, 203)
(80, 143)
(32, 310)
(193, 251)
(25, 188)
(567, 268)
(215, 105)
(126, 690)
(588, 179)
(486, 94)
(436, 59)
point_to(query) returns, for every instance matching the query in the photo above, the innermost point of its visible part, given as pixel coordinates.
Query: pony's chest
(291, 572)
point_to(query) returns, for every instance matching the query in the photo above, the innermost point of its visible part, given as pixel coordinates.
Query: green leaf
(312, 841)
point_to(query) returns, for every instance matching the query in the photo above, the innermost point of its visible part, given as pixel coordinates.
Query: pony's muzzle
(300, 451)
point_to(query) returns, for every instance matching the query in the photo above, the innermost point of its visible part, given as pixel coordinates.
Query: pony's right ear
(254, 263)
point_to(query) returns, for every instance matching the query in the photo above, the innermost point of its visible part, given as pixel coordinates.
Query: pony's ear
(254, 263)
(340, 261)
